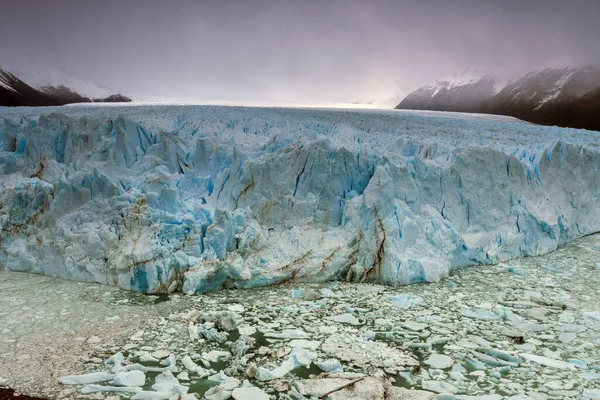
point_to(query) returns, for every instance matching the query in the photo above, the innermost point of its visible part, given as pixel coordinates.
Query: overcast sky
(293, 50)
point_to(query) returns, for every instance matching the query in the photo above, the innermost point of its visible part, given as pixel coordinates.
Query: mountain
(462, 93)
(554, 96)
(16, 91)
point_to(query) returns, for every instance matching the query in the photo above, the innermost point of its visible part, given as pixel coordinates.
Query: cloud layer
(304, 51)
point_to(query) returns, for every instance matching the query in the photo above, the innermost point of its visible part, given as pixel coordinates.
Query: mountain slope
(15, 92)
(458, 93)
(578, 113)
(55, 78)
(553, 96)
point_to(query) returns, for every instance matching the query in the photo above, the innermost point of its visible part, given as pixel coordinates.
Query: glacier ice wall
(197, 198)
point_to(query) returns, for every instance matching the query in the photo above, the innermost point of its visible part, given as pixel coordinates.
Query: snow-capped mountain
(59, 87)
(540, 89)
(60, 77)
(553, 96)
(460, 92)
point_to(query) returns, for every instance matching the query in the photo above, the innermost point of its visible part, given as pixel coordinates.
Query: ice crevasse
(197, 198)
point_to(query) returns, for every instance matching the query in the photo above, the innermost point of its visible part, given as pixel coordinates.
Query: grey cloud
(306, 51)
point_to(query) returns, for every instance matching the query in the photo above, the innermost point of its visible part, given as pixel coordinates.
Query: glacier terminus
(197, 198)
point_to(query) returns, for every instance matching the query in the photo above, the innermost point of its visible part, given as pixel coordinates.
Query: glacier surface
(198, 198)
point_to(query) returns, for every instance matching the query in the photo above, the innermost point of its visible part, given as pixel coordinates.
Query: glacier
(158, 199)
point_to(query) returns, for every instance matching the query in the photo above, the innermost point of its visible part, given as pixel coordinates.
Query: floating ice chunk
(249, 393)
(189, 364)
(439, 387)
(478, 365)
(331, 365)
(213, 335)
(217, 393)
(305, 344)
(405, 301)
(502, 357)
(94, 377)
(247, 330)
(147, 357)
(493, 361)
(595, 315)
(507, 314)
(326, 292)
(237, 308)
(150, 395)
(216, 355)
(577, 363)
(116, 360)
(567, 337)
(345, 318)
(288, 334)
(227, 383)
(183, 376)
(447, 396)
(130, 378)
(166, 382)
(143, 368)
(549, 362)
(572, 328)
(413, 326)
(160, 354)
(553, 269)
(439, 361)
(532, 327)
(297, 293)
(297, 358)
(320, 387)
(479, 313)
(101, 389)
(169, 361)
(517, 270)
(591, 376)
(227, 321)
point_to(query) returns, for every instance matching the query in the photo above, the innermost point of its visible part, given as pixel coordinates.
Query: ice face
(196, 198)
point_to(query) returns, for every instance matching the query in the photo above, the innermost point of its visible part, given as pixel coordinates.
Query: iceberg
(159, 199)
